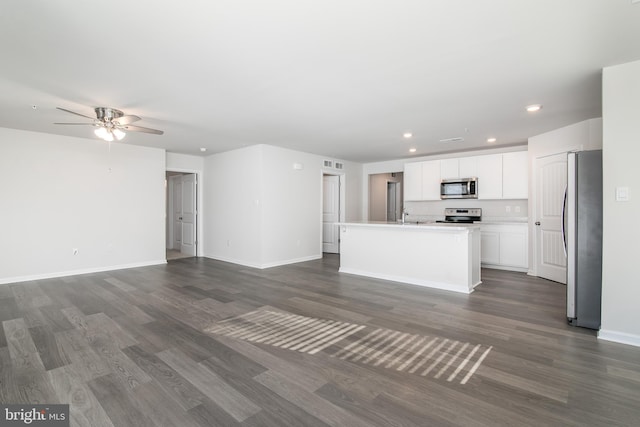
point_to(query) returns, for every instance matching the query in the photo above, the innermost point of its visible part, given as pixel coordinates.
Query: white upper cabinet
(464, 167)
(449, 169)
(412, 181)
(431, 180)
(489, 176)
(468, 167)
(422, 181)
(515, 175)
(500, 176)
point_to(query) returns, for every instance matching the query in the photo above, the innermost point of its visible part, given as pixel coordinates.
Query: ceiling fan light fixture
(108, 137)
(110, 124)
(118, 134)
(101, 132)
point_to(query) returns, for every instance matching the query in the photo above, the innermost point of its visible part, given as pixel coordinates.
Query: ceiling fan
(111, 123)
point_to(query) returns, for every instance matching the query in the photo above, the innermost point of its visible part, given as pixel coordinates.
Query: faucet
(404, 214)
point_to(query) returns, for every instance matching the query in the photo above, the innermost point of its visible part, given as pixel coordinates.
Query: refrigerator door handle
(564, 221)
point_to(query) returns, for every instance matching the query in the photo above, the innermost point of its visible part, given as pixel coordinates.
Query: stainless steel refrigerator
(583, 238)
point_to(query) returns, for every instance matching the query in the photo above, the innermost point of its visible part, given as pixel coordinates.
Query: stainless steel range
(462, 216)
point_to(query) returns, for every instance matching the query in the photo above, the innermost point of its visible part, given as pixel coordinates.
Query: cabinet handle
(537, 222)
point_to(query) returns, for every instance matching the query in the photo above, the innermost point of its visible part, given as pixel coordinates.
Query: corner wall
(232, 202)
(263, 212)
(61, 193)
(621, 151)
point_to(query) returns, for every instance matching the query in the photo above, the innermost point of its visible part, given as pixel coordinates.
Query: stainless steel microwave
(459, 188)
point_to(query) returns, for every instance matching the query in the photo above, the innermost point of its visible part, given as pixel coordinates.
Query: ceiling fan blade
(77, 114)
(142, 129)
(125, 120)
(81, 124)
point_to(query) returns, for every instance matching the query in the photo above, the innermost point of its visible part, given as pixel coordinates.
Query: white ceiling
(341, 78)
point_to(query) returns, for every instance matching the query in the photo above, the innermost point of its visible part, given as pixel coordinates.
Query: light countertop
(413, 225)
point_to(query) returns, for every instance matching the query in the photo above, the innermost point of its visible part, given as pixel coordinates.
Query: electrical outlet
(622, 194)
(517, 209)
(75, 251)
(508, 209)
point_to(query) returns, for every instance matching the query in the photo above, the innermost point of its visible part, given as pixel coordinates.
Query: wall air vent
(456, 139)
(328, 164)
(339, 165)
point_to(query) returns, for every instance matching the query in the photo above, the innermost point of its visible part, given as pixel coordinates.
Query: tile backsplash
(509, 210)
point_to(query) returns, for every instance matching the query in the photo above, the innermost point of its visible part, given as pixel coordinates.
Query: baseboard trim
(411, 281)
(264, 265)
(291, 261)
(17, 279)
(506, 268)
(619, 337)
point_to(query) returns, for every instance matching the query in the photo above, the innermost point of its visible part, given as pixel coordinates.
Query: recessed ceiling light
(491, 140)
(203, 149)
(533, 108)
(412, 150)
(407, 135)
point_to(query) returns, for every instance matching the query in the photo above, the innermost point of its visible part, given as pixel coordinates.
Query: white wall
(621, 151)
(233, 205)
(269, 213)
(292, 208)
(184, 162)
(585, 135)
(354, 188)
(60, 193)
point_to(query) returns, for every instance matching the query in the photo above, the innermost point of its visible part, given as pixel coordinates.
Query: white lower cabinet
(489, 247)
(504, 246)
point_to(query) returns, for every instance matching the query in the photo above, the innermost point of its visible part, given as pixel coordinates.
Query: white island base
(441, 256)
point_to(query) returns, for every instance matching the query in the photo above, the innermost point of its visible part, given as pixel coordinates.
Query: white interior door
(330, 213)
(177, 211)
(551, 173)
(188, 215)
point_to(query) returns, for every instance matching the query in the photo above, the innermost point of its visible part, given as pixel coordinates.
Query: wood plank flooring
(200, 342)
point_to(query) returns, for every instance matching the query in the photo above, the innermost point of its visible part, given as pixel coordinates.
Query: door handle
(180, 218)
(564, 218)
(537, 223)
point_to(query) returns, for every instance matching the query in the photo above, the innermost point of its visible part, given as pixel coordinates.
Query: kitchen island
(442, 256)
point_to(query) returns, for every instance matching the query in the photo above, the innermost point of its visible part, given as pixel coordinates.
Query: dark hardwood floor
(205, 343)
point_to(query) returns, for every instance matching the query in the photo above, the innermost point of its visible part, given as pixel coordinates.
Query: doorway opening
(385, 196)
(182, 220)
(333, 201)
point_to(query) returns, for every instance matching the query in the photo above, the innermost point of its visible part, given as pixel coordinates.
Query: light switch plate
(622, 194)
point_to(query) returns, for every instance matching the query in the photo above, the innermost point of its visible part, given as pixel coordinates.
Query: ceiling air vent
(328, 164)
(456, 139)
